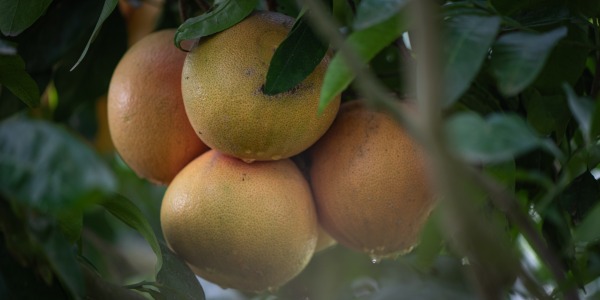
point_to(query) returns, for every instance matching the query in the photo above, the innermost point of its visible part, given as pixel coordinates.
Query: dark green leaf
(71, 224)
(582, 109)
(131, 215)
(542, 14)
(588, 231)
(373, 12)
(499, 138)
(366, 43)
(469, 38)
(582, 194)
(175, 280)
(107, 9)
(566, 62)
(295, 58)
(225, 14)
(517, 58)
(45, 167)
(80, 88)
(18, 15)
(60, 254)
(62, 28)
(14, 77)
(547, 114)
(21, 282)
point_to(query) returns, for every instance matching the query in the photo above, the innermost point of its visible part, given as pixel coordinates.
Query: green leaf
(46, 168)
(587, 231)
(223, 15)
(175, 280)
(469, 38)
(546, 113)
(14, 77)
(18, 15)
(366, 43)
(91, 79)
(373, 12)
(582, 109)
(499, 138)
(71, 224)
(580, 196)
(566, 62)
(107, 9)
(517, 58)
(61, 258)
(131, 215)
(431, 242)
(295, 58)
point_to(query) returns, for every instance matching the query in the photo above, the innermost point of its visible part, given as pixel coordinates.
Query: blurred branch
(466, 227)
(428, 91)
(508, 204)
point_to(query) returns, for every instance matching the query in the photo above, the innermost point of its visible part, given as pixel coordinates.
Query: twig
(203, 5)
(182, 11)
(366, 83)
(508, 204)
(428, 92)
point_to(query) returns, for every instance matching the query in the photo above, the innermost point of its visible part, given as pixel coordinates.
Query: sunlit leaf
(175, 280)
(518, 57)
(18, 15)
(223, 15)
(107, 9)
(131, 215)
(499, 138)
(469, 38)
(373, 12)
(295, 58)
(45, 167)
(14, 77)
(366, 43)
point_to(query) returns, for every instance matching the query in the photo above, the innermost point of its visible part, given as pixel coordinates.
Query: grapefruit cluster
(237, 209)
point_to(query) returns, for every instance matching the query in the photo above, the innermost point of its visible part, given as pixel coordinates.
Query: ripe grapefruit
(222, 83)
(369, 182)
(146, 117)
(251, 227)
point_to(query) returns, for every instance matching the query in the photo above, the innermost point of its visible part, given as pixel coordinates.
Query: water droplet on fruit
(248, 160)
(375, 259)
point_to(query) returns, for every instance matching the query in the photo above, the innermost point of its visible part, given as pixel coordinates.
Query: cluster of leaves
(521, 82)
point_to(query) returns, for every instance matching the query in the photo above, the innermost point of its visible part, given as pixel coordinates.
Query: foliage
(520, 121)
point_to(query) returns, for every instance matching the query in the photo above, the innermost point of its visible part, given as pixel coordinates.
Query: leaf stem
(596, 82)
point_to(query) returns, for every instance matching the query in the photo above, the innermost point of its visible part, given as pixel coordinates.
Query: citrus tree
(500, 96)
